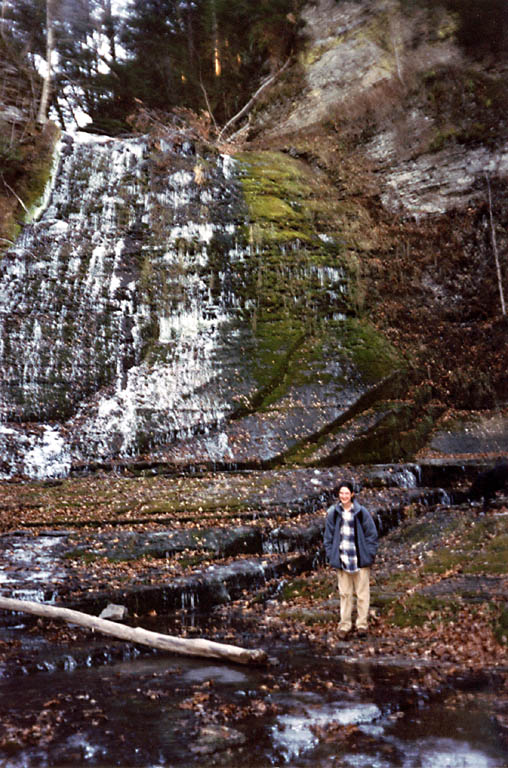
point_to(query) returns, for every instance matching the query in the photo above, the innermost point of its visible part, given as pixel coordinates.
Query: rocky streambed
(236, 557)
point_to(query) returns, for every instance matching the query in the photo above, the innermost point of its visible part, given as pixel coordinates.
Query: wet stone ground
(237, 559)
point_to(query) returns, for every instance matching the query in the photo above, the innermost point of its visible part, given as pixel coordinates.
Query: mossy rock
(398, 435)
(284, 196)
(318, 589)
(29, 168)
(482, 549)
(416, 610)
(33, 186)
(501, 625)
(373, 356)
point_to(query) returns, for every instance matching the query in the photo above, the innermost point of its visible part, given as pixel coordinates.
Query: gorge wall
(401, 105)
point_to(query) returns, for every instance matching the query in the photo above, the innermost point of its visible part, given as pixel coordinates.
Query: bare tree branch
(494, 248)
(20, 201)
(252, 100)
(208, 105)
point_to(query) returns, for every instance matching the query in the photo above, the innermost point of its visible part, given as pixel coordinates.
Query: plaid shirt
(347, 546)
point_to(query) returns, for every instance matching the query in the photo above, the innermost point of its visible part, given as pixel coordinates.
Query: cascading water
(125, 322)
(109, 318)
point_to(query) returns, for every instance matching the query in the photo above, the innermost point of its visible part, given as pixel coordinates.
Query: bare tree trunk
(217, 64)
(107, 22)
(396, 39)
(46, 86)
(179, 645)
(2, 19)
(494, 248)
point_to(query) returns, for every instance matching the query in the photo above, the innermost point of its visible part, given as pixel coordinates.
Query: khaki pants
(349, 584)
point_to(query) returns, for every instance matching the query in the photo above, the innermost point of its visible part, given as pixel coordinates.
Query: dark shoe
(362, 634)
(344, 635)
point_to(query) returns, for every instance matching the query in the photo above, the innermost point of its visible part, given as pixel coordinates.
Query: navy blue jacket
(366, 538)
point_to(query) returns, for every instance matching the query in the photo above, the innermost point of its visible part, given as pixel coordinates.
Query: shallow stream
(99, 703)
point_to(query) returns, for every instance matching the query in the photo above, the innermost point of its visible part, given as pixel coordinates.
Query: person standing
(350, 541)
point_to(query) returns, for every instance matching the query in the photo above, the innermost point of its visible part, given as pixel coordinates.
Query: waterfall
(126, 309)
(112, 316)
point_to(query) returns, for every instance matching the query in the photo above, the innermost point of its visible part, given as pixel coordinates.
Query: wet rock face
(117, 307)
(176, 303)
(102, 278)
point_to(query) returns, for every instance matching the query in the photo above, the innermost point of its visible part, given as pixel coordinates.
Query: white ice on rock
(102, 192)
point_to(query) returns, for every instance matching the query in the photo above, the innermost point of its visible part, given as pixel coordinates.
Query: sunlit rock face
(355, 46)
(435, 184)
(431, 121)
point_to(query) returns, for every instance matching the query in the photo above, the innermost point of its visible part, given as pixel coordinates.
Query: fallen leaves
(211, 706)
(333, 731)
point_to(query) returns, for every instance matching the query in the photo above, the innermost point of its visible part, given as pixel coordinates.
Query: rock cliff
(410, 124)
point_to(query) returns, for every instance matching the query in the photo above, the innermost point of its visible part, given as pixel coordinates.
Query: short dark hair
(346, 484)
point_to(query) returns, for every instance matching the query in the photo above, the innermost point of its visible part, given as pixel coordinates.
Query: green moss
(482, 549)
(373, 356)
(493, 559)
(9, 233)
(288, 204)
(42, 166)
(312, 54)
(442, 137)
(271, 172)
(27, 168)
(278, 341)
(290, 349)
(401, 581)
(82, 554)
(501, 624)
(417, 529)
(317, 589)
(301, 275)
(273, 208)
(191, 561)
(416, 610)
(277, 190)
(443, 561)
(492, 554)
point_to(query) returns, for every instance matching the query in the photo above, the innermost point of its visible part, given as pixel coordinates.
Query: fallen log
(187, 647)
